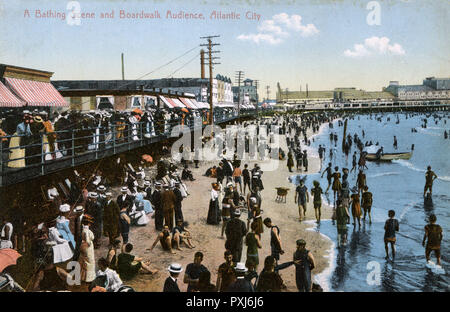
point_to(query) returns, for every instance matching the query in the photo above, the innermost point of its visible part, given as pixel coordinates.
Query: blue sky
(294, 42)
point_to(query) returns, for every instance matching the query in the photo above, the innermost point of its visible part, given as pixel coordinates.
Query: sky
(325, 44)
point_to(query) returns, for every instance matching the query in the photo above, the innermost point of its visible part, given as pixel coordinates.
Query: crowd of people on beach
(92, 208)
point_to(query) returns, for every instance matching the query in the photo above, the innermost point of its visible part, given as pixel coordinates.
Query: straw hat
(64, 208)
(79, 209)
(92, 195)
(175, 268)
(101, 188)
(240, 267)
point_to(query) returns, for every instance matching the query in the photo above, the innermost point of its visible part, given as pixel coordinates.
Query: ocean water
(397, 185)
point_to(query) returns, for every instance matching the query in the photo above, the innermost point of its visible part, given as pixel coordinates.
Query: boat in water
(388, 156)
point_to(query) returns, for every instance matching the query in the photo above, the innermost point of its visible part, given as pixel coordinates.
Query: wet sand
(207, 238)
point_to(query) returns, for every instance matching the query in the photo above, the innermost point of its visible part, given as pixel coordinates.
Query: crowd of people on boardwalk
(92, 209)
(35, 135)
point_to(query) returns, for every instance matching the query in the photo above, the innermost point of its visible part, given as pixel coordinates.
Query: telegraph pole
(210, 59)
(256, 85)
(239, 76)
(123, 69)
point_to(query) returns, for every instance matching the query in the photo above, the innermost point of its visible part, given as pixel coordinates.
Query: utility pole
(256, 85)
(123, 69)
(210, 59)
(238, 77)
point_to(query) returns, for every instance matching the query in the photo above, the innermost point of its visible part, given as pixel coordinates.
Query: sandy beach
(207, 238)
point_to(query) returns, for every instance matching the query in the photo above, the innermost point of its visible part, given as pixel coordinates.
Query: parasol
(138, 111)
(147, 158)
(185, 110)
(8, 257)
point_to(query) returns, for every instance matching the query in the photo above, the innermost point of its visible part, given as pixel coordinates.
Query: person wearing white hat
(78, 227)
(61, 250)
(170, 285)
(241, 284)
(62, 224)
(94, 209)
(124, 200)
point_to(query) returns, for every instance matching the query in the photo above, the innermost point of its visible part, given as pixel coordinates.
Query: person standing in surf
(317, 196)
(356, 207)
(329, 172)
(301, 197)
(430, 176)
(366, 203)
(336, 182)
(361, 181)
(390, 227)
(433, 237)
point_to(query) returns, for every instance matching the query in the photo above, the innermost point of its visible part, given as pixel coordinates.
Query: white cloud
(375, 46)
(257, 38)
(280, 27)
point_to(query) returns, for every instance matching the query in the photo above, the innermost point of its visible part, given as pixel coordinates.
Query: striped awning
(8, 99)
(188, 103)
(171, 102)
(166, 101)
(36, 93)
(178, 103)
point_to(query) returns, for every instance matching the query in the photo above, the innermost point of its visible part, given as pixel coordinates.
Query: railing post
(42, 154)
(97, 141)
(73, 148)
(130, 131)
(141, 126)
(114, 139)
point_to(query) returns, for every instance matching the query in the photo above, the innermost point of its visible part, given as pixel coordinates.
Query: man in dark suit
(168, 200)
(241, 284)
(235, 232)
(148, 190)
(170, 285)
(124, 200)
(178, 200)
(157, 205)
(94, 209)
(77, 229)
(111, 215)
(220, 174)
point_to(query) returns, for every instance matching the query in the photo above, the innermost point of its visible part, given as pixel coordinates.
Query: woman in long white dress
(61, 251)
(87, 258)
(15, 153)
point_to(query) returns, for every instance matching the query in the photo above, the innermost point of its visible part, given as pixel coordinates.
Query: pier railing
(44, 153)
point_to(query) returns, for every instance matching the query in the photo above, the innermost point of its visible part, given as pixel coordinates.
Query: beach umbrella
(138, 111)
(147, 158)
(8, 257)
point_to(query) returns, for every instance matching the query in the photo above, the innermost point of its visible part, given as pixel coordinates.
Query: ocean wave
(407, 164)
(406, 209)
(324, 278)
(382, 174)
(444, 178)
(425, 131)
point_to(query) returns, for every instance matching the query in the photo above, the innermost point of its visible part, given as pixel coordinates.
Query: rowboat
(388, 156)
